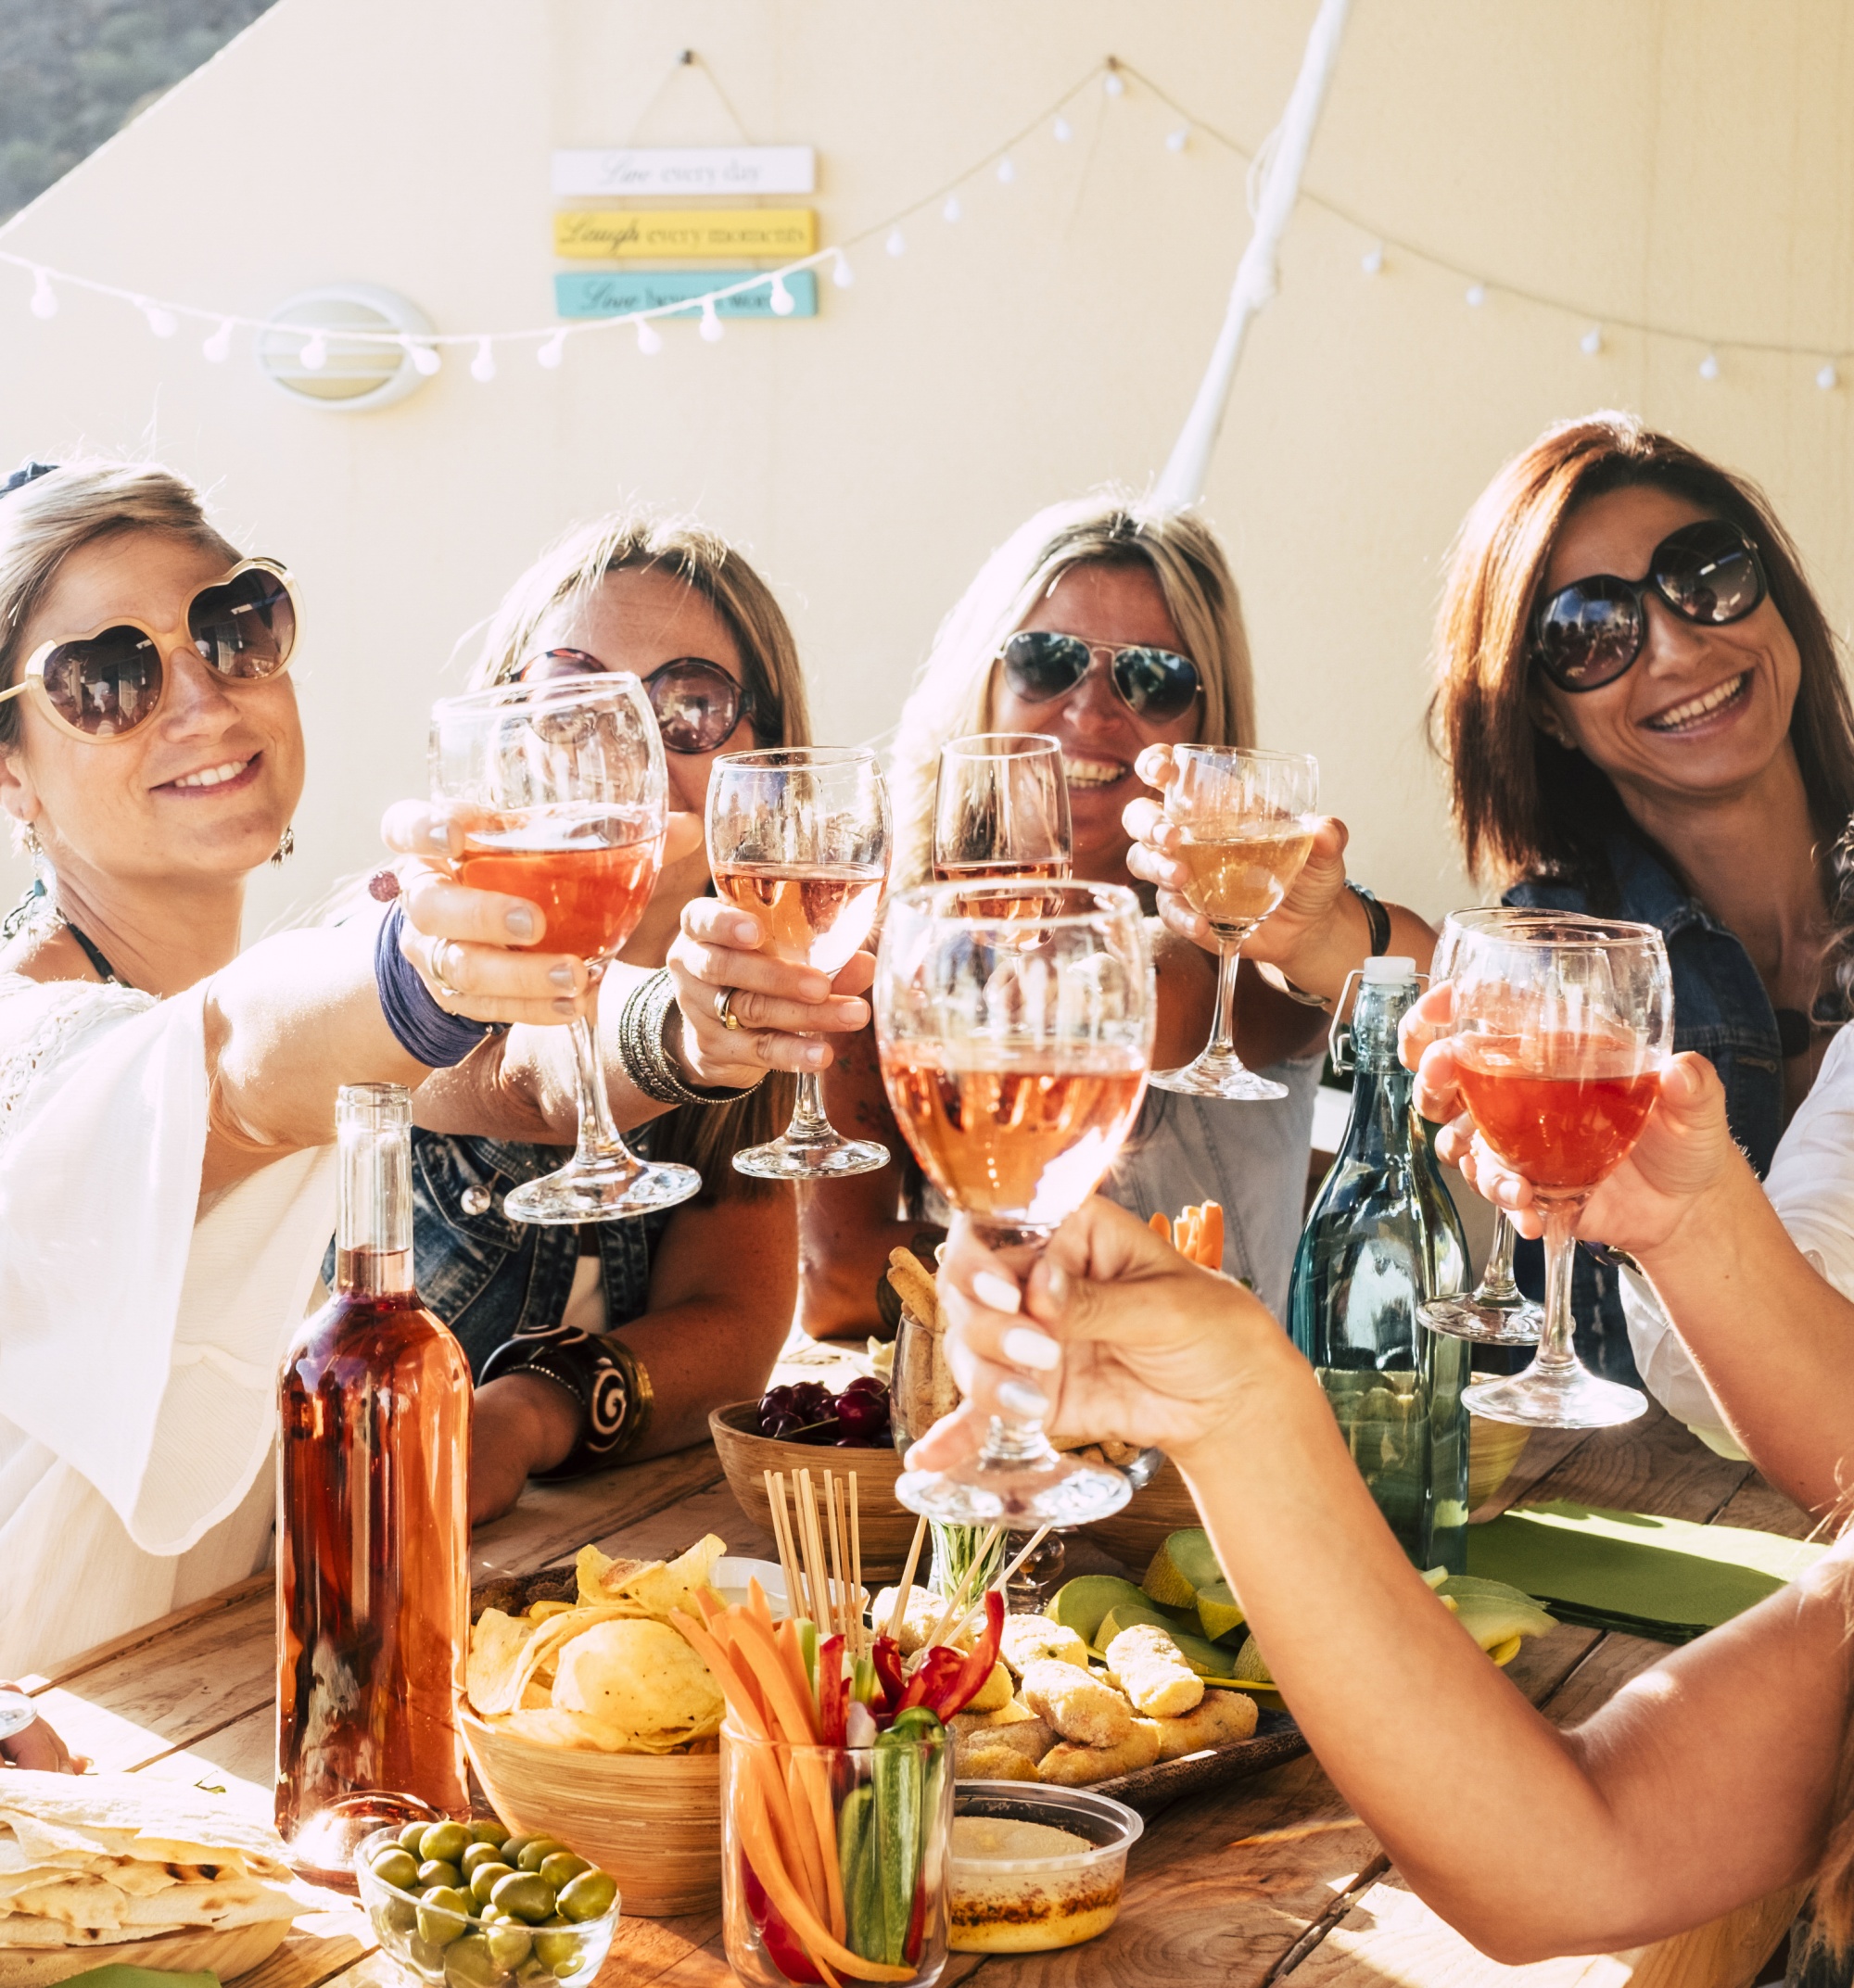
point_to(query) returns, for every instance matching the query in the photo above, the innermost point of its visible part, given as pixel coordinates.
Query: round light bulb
(1007, 171)
(553, 351)
(1828, 379)
(425, 360)
(483, 367)
(217, 347)
(1372, 260)
(897, 243)
(783, 302)
(1708, 366)
(1114, 84)
(649, 340)
(1590, 344)
(1177, 141)
(314, 355)
(1062, 131)
(161, 322)
(44, 298)
(1477, 294)
(952, 210)
(712, 330)
(842, 275)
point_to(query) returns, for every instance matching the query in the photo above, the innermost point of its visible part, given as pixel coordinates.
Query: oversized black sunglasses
(698, 706)
(1590, 633)
(1039, 665)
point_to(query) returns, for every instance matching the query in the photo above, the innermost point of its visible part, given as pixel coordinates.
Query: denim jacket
(489, 1278)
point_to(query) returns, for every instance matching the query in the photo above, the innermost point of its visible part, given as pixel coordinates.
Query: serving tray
(1275, 1741)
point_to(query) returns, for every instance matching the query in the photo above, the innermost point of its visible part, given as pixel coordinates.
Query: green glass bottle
(1382, 1239)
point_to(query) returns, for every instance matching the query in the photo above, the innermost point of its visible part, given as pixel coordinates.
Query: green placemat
(1663, 1578)
(117, 1976)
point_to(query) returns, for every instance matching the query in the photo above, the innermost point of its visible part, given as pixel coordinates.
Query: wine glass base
(1461, 1318)
(1215, 1076)
(606, 1191)
(1554, 1397)
(1020, 1496)
(789, 1159)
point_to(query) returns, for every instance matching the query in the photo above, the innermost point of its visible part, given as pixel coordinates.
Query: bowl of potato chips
(589, 1717)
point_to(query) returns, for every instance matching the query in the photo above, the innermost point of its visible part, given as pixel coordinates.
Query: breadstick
(913, 1283)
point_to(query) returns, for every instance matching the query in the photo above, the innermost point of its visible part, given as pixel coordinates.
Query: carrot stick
(808, 1872)
(814, 1772)
(798, 1914)
(1162, 1227)
(741, 1701)
(1209, 1249)
(787, 1696)
(757, 1602)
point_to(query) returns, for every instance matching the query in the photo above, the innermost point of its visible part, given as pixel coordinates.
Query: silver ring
(444, 986)
(724, 1012)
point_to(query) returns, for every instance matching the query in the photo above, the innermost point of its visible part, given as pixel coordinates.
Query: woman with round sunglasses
(609, 1343)
(167, 1102)
(1108, 622)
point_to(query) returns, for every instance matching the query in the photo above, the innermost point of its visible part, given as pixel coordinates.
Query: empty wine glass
(16, 1712)
(564, 800)
(1561, 1028)
(1015, 1047)
(798, 837)
(1247, 819)
(1001, 808)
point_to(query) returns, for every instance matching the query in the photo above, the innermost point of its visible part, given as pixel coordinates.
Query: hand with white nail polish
(1111, 1333)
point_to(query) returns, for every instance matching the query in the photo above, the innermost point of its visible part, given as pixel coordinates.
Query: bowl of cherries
(806, 1426)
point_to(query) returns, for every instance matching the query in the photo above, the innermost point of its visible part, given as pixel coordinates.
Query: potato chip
(638, 1677)
(496, 1645)
(649, 1587)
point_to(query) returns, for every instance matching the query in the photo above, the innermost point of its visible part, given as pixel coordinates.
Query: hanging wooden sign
(733, 169)
(662, 233)
(616, 293)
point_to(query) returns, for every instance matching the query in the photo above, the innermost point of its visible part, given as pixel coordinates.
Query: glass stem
(1223, 1036)
(1009, 1440)
(1554, 1341)
(809, 1125)
(599, 1143)
(1497, 1285)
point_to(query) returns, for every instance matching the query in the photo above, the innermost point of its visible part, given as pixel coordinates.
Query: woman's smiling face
(1703, 711)
(1113, 606)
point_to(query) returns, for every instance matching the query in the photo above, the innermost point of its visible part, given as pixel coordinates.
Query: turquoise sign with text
(618, 293)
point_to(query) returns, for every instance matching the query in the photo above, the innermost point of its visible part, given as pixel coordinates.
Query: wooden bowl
(653, 1821)
(887, 1528)
(1493, 1449)
(1138, 1529)
(228, 1952)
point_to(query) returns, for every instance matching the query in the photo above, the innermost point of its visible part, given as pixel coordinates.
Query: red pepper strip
(917, 1923)
(960, 1691)
(782, 1950)
(887, 1659)
(833, 1691)
(940, 1671)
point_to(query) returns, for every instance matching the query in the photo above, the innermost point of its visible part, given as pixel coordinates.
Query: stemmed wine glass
(1248, 822)
(798, 836)
(1496, 1312)
(1561, 1028)
(566, 799)
(1015, 1047)
(16, 1712)
(1001, 808)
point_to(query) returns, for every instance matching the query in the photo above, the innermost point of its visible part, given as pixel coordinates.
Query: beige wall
(1688, 164)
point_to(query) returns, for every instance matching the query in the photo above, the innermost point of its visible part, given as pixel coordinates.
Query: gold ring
(724, 1012)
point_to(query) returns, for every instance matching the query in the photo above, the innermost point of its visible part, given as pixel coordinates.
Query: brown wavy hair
(1525, 805)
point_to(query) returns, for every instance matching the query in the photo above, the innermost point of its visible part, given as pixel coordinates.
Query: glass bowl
(1000, 1903)
(456, 1950)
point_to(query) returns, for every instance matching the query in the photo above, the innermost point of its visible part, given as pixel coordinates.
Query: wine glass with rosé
(1246, 821)
(562, 788)
(1001, 810)
(798, 837)
(1561, 1028)
(1015, 1047)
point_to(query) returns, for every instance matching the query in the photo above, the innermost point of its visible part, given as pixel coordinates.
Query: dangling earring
(284, 849)
(34, 847)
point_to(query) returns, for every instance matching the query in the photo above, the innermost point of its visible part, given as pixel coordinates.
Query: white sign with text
(740, 168)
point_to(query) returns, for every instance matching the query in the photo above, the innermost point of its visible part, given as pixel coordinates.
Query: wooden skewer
(961, 1604)
(801, 1499)
(839, 1626)
(906, 1587)
(781, 1536)
(1003, 1582)
(856, 1568)
(814, 1555)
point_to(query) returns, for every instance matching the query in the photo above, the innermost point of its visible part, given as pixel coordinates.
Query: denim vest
(489, 1278)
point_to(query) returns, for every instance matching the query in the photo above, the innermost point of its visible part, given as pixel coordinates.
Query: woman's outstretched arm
(1704, 1785)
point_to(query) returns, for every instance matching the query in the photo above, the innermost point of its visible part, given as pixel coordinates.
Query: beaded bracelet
(648, 1062)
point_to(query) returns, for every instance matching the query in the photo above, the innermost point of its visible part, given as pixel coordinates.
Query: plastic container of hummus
(1032, 1869)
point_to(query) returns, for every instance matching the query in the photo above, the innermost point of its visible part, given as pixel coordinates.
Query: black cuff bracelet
(601, 1374)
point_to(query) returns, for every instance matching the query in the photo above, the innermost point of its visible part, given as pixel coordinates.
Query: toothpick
(907, 1586)
(960, 1603)
(781, 1536)
(856, 1568)
(1003, 1582)
(837, 1622)
(814, 1555)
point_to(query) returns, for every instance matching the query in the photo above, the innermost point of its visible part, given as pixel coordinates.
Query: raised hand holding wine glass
(798, 837)
(1248, 822)
(1561, 1025)
(565, 797)
(1015, 1047)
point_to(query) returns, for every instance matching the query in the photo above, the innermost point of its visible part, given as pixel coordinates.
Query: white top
(140, 1331)
(1811, 1186)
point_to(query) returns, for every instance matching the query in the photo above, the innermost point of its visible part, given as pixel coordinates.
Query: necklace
(38, 903)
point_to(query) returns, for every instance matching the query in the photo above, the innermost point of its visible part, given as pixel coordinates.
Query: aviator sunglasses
(1153, 683)
(109, 683)
(698, 706)
(1590, 633)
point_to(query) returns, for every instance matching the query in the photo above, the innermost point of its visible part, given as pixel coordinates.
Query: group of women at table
(1641, 713)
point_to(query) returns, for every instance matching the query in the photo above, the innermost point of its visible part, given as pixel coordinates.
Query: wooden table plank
(1653, 1465)
(553, 1521)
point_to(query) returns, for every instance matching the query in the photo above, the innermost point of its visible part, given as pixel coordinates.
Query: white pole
(1281, 161)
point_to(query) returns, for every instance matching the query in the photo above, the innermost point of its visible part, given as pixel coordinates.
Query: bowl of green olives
(466, 1904)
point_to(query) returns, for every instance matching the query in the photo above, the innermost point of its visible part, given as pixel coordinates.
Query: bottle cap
(1393, 967)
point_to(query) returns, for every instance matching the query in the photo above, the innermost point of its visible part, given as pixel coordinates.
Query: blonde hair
(955, 693)
(44, 522)
(638, 539)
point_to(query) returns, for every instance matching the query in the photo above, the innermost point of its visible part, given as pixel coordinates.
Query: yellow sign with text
(620, 235)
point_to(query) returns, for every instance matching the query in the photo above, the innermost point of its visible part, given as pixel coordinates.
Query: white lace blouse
(140, 1329)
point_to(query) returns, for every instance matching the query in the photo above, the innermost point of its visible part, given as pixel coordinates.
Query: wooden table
(190, 1698)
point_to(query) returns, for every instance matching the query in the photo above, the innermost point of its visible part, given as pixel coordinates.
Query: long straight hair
(1525, 805)
(640, 540)
(953, 693)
